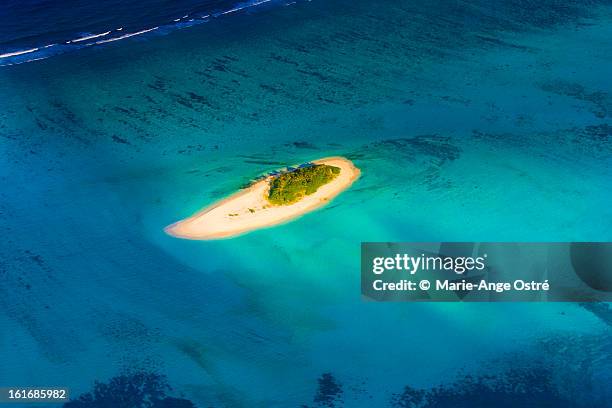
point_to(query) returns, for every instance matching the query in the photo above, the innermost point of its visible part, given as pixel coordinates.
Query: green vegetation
(290, 187)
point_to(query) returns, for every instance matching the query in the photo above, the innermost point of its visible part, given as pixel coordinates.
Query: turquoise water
(469, 123)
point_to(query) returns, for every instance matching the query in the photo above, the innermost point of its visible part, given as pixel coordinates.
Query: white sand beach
(249, 209)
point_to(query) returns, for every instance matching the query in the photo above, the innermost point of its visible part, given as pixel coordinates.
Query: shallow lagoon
(496, 133)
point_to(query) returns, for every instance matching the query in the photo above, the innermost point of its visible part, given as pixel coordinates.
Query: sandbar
(249, 209)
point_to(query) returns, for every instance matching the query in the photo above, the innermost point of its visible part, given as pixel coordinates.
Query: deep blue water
(33, 30)
(470, 121)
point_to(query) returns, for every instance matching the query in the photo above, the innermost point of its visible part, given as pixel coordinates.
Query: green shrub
(290, 187)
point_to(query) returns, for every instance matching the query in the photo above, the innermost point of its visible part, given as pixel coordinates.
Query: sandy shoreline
(249, 209)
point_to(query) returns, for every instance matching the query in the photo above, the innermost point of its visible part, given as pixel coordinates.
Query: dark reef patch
(302, 145)
(437, 147)
(159, 84)
(555, 371)
(140, 390)
(329, 393)
(597, 133)
(425, 153)
(600, 100)
(524, 387)
(558, 370)
(591, 141)
(192, 148)
(120, 140)
(129, 331)
(502, 43)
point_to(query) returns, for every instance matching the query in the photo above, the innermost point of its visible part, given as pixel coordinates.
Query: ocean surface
(470, 121)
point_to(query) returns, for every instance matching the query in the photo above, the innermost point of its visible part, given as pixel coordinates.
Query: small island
(290, 187)
(275, 199)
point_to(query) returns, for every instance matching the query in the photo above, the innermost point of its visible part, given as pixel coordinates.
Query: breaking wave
(88, 39)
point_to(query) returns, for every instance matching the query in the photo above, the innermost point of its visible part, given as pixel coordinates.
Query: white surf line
(89, 37)
(23, 62)
(15, 53)
(243, 7)
(127, 35)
